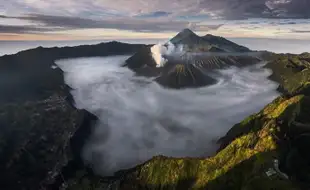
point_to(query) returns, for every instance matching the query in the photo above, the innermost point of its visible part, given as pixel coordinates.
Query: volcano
(208, 43)
(187, 60)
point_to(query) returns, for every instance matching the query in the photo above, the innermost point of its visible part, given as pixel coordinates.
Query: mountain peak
(187, 31)
(185, 36)
(194, 43)
(210, 35)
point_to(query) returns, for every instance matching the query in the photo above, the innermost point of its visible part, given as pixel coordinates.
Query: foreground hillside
(268, 150)
(290, 71)
(250, 155)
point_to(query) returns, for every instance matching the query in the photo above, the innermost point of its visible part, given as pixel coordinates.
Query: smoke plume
(161, 50)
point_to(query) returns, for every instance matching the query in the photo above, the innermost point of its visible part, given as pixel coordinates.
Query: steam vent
(188, 60)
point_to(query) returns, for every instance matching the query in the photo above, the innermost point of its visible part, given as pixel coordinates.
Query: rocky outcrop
(41, 132)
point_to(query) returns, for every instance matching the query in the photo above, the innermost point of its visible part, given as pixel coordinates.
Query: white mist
(139, 119)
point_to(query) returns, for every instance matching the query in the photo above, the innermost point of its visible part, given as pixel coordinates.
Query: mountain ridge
(190, 39)
(183, 49)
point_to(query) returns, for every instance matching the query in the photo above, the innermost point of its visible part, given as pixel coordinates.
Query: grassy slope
(253, 145)
(290, 71)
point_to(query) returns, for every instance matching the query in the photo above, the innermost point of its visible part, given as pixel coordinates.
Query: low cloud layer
(140, 119)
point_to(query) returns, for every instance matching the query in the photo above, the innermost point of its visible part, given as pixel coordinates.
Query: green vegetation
(290, 71)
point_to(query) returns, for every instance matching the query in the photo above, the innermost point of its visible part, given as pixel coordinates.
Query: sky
(152, 19)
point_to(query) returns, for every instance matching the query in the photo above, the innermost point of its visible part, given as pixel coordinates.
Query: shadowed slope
(190, 41)
(28, 75)
(184, 75)
(41, 131)
(224, 44)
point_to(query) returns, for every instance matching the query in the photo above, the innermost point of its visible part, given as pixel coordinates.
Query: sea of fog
(139, 119)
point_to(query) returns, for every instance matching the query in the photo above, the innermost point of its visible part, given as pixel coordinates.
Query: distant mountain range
(199, 55)
(207, 43)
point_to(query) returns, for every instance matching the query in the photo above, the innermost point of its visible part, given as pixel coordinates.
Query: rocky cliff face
(35, 141)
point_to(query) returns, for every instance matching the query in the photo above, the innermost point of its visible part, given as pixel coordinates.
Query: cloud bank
(139, 119)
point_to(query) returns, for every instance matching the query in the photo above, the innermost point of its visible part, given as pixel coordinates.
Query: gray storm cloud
(60, 23)
(133, 15)
(140, 119)
(233, 9)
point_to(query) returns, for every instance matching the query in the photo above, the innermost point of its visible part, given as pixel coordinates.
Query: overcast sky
(115, 19)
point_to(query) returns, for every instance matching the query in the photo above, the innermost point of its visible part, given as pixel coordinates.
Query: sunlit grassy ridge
(252, 148)
(291, 71)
